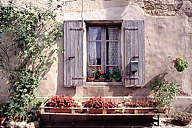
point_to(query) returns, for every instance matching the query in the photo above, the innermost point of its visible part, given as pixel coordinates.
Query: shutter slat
(73, 54)
(127, 38)
(134, 51)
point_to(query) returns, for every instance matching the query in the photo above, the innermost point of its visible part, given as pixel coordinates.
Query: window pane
(94, 53)
(94, 33)
(112, 33)
(112, 50)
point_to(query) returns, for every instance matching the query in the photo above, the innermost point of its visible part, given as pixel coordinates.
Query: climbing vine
(27, 37)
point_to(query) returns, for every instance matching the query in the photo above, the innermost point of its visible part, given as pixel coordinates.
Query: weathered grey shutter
(73, 53)
(134, 52)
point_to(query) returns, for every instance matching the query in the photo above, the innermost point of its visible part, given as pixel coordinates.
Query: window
(103, 48)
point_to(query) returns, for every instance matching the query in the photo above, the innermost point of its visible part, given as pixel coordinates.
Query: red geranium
(99, 68)
(94, 67)
(101, 72)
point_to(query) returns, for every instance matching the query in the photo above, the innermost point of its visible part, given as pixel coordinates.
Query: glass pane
(94, 53)
(94, 33)
(112, 50)
(112, 33)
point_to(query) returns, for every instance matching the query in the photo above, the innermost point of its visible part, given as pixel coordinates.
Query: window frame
(104, 41)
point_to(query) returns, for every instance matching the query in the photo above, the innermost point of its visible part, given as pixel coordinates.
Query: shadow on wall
(60, 75)
(145, 91)
(189, 108)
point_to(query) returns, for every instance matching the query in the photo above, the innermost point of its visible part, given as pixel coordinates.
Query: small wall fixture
(134, 66)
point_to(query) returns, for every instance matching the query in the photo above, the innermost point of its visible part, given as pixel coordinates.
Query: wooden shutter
(73, 53)
(134, 52)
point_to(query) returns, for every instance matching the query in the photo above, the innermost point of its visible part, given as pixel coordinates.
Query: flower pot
(101, 79)
(95, 111)
(185, 122)
(60, 110)
(91, 79)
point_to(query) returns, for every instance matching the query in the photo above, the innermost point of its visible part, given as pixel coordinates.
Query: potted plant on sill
(164, 93)
(183, 117)
(61, 104)
(100, 74)
(92, 77)
(180, 63)
(116, 75)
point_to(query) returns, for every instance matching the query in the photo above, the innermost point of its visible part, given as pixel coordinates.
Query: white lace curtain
(92, 46)
(113, 53)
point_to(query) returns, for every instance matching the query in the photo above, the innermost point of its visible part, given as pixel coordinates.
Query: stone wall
(168, 34)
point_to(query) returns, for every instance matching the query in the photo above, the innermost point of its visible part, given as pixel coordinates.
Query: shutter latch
(76, 29)
(71, 57)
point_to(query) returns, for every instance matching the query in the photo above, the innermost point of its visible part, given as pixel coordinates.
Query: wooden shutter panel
(73, 53)
(134, 52)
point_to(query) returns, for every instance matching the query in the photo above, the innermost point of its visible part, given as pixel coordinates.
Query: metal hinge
(130, 28)
(76, 78)
(78, 29)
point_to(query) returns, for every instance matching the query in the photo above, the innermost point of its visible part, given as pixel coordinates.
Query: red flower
(101, 72)
(94, 67)
(181, 89)
(99, 68)
(3, 106)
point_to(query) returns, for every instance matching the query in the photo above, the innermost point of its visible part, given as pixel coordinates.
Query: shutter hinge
(76, 78)
(130, 28)
(78, 29)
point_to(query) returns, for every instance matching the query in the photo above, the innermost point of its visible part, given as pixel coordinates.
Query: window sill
(135, 86)
(103, 84)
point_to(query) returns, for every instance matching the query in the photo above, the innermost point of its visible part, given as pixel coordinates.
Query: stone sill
(96, 84)
(131, 86)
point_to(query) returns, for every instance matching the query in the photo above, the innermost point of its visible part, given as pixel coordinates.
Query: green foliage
(3, 109)
(164, 92)
(180, 64)
(182, 116)
(116, 75)
(27, 35)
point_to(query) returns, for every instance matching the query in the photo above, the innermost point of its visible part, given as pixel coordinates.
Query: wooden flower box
(60, 110)
(95, 111)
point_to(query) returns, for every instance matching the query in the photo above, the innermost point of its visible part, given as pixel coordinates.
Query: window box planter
(111, 111)
(95, 111)
(60, 110)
